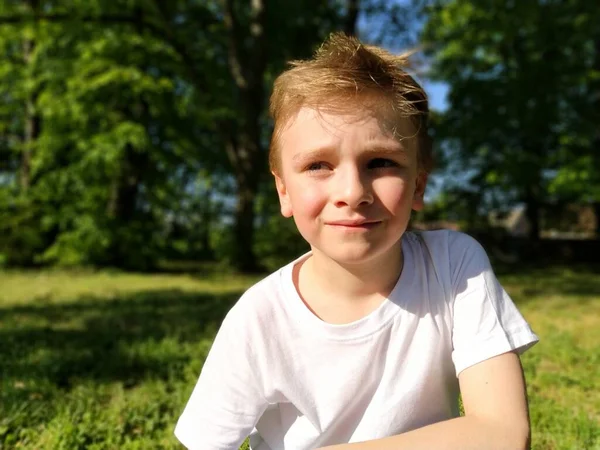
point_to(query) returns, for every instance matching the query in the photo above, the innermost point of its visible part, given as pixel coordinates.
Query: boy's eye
(313, 167)
(381, 163)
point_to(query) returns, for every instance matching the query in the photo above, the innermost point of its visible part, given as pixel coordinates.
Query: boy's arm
(496, 414)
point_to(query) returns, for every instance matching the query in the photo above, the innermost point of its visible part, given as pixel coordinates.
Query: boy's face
(349, 185)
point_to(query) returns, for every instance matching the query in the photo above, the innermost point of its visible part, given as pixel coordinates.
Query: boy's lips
(354, 224)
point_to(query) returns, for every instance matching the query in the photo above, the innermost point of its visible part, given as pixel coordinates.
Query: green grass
(562, 370)
(107, 360)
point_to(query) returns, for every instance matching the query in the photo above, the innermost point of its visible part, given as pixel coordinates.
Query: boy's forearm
(464, 433)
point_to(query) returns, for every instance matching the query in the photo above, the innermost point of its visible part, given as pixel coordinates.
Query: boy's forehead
(312, 128)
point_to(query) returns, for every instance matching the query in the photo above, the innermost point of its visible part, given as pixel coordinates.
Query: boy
(369, 338)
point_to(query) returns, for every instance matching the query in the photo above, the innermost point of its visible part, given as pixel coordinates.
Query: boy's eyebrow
(385, 149)
(311, 154)
(375, 148)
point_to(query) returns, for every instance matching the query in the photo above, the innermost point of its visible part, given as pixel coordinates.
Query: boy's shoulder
(264, 298)
(446, 243)
(272, 298)
(452, 255)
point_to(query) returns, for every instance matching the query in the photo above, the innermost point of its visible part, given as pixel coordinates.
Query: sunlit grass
(107, 360)
(59, 286)
(563, 307)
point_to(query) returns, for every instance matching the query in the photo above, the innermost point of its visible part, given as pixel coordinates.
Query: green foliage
(522, 91)
(278, 242)
(112, 111)
(277, 239)
(21, 237)
(107, 112)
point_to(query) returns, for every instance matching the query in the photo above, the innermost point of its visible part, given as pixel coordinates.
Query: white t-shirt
(278, 373)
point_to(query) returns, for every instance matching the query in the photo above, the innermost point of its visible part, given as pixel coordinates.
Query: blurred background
(136, 203)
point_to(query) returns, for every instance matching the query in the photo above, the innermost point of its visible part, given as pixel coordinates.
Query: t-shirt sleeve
(486, 322)
(227, 400)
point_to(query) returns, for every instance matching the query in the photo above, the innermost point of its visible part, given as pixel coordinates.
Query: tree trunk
(244, 256)
(123, 204)
(247, 65)
(245, 155)
(351, 17)
(596, 206)
(128, 184)
(207, 223)
(31, 133)
(595, 91)
(532, 213)
(125, 186)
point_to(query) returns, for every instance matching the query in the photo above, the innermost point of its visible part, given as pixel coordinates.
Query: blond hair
(346, 72)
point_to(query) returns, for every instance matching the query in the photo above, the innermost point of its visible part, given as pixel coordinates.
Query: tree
(137, 96)
(125, 103)
(115, 141)
(509, 65)
(578, 165)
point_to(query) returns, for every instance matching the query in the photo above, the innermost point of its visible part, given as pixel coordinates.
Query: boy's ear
(421, 183)
(284, 198)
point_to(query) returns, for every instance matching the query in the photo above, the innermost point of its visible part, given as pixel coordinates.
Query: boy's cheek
(308, 202)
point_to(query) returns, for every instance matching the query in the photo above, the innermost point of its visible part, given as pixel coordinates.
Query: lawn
(106, 360)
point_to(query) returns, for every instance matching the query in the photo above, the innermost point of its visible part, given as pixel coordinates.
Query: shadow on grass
(145, 335)
(529, 281)
(155, 334)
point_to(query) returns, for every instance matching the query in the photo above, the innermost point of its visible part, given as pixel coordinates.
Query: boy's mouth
(360, 224)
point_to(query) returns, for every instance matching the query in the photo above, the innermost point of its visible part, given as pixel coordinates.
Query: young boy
(370, 337)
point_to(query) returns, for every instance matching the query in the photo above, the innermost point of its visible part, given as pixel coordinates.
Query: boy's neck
(327, 286)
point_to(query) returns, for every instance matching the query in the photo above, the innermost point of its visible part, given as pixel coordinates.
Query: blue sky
(437, 93)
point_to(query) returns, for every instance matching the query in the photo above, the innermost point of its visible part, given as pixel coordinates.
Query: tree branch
(235, 64)
(172, 39)
(110, 19)
(258, 21)
(351, 17)
(65, 17)
(164, 32)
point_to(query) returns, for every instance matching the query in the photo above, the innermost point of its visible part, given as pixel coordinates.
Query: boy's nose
(352, 189)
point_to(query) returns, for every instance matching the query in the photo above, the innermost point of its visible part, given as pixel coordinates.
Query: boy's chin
(354, 256)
